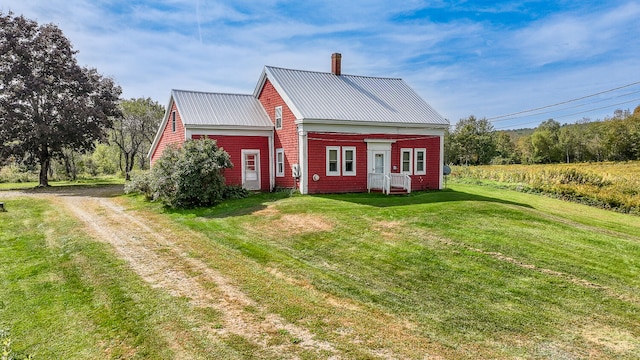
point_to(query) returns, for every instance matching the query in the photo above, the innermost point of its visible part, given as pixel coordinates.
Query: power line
(563, 102)
(567, 115)
(570, 107)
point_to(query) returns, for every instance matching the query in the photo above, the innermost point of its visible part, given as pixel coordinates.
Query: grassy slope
(466, 273)
(477, 270)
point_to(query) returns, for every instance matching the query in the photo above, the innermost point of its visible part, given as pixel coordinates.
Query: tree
(133, 133)
(47, 101)
(473, 141)
(545, 141)
(506, 152)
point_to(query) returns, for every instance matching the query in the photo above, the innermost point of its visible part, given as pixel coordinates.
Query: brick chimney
(336, 63)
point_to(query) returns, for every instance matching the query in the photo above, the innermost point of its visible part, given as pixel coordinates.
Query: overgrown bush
(232, 192)
(188, 176)
(15, 173)
(140, 183)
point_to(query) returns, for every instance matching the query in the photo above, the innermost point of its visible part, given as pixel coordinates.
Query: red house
(317, 132)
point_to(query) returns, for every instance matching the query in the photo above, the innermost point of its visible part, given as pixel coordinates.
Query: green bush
(140, 183)
(232, 192)
(188, 176)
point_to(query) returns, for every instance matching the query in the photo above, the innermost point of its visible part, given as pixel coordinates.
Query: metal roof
(203, 108)
(319, 95)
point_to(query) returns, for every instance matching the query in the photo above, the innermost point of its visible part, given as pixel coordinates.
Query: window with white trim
(406, 157)
(279, 162)
(420, 162)
(348, 161)
(278, 117)
(333, 160)
(173, 121)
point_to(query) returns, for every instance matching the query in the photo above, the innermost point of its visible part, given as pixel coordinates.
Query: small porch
(389, 183)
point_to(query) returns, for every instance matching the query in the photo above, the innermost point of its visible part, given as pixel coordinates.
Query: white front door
(378, 162)
(251, 169)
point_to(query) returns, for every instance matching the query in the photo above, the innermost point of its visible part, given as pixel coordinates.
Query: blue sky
(481, 58)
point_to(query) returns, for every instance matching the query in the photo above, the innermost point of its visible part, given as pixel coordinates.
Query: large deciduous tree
(133, 133)
(473, 141)
(47, 101)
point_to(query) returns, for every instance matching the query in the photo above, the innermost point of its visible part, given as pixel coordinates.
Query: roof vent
(336, 63)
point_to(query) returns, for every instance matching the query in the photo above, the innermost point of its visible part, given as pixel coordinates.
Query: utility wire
(563, 102)
(569, 107)
(567, 115)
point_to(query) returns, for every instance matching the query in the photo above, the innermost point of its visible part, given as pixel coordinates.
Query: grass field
(607, 185)
(470, 272)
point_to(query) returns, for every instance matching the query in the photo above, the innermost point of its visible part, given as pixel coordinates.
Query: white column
(303, 161)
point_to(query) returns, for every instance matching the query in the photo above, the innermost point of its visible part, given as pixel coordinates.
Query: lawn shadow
(232, 208)
(419, 197)
(98, 191)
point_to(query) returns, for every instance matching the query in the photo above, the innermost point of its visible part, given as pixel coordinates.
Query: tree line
(475, 141)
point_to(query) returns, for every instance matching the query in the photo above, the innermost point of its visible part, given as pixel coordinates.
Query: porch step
(394, 191)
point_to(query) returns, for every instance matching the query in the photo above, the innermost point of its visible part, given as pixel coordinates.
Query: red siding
(234, 146)
(285, 138)
(169, 136)
(317, 143)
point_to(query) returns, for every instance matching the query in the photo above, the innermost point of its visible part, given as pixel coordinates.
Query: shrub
(232, 192)
(140, 183)
(188, 176)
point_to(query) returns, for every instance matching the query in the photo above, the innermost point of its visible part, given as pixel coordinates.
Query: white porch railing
(387, 182)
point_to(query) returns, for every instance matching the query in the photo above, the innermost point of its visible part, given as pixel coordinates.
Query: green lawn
(469, 272)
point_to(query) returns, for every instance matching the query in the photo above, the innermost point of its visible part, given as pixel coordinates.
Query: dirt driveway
(155, 255)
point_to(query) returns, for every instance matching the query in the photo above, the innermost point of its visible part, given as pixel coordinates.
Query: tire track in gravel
(159, 261)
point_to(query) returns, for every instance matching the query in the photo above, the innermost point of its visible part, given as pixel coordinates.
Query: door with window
(378, 162)
(251, 169)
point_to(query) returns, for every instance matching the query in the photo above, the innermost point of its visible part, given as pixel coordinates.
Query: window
(349, 161)
(173, 121)
(333, 161)
(405, 161)
(280, 162)
(420, 164)
(278, 117)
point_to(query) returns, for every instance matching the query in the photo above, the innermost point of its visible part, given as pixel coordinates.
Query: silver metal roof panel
(319, 95)
(216, 109)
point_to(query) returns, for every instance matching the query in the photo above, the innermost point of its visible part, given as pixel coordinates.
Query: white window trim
(424, 159)
(278, 123)
(278, 172)
(337, 172)
(410, 152)
(344, 161)
(173, 121)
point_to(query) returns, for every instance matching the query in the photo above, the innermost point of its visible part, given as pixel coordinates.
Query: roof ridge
(211, 92)
(330, 73)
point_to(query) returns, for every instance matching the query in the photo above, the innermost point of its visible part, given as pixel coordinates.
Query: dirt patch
(616, 340)
(291, 224)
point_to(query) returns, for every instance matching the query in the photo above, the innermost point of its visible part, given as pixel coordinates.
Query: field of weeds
(609, 185)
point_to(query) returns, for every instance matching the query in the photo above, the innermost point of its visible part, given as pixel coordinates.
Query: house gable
(285, 138)
(167, 134)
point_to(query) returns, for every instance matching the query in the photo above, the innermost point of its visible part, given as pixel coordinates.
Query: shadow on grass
(232, 208)
(257, 202)
(98, 191)
(420, 197)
